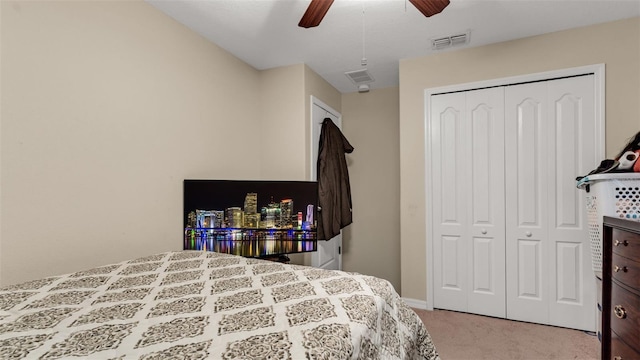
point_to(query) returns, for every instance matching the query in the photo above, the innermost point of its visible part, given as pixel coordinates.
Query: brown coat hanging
(334, 191)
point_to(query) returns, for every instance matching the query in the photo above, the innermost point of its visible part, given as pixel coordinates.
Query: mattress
(206, 305)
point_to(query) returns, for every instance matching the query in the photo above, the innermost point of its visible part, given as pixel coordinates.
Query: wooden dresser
(620, 289)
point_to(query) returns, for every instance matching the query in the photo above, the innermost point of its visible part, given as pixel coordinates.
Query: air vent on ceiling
(359, 76)
(448, 41)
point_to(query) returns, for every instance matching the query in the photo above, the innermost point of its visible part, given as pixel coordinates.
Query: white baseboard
(416, 304)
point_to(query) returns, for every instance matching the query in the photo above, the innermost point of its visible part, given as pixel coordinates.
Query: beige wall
(371, 242)
(282, 129)
(106, 107)
(285, 117)
(571, 48)
(283, 123)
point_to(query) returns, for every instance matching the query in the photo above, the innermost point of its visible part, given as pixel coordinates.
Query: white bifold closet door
(509, 232)
(550, 129)
(468, 201)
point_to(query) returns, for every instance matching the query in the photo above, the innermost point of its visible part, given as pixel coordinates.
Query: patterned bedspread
(197, 305)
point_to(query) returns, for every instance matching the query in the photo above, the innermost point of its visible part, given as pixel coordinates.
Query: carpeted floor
(460, 336)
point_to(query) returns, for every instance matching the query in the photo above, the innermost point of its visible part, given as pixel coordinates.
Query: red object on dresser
(636, 165)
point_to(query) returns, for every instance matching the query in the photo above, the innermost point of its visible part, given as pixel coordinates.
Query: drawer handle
(623, 242)
(620, 312)
(617, 358)
(618, 268)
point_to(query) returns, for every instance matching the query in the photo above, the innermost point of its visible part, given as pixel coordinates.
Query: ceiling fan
(318, 8)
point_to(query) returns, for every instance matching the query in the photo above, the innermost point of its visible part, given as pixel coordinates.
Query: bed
(207, 305)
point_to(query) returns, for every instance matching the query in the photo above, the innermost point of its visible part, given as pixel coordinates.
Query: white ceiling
(265, 33)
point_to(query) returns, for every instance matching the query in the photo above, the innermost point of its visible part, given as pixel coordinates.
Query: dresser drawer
(625, 243)
(620, 350)
(625, 271)
(625, 315)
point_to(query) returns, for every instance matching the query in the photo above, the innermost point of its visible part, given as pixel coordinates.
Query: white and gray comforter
(204, 305)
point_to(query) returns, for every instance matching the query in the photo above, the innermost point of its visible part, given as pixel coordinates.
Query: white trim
(416, 304)
(599, 142)
(541, 76)
(327, 108)
(429, 195)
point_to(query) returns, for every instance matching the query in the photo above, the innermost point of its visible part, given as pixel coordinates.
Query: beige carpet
(460, 336)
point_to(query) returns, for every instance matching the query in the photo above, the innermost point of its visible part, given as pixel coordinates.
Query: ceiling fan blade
(315, 12)
(430, 7)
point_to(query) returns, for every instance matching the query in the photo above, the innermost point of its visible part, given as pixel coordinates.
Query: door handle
(484, 231)
(528, 234)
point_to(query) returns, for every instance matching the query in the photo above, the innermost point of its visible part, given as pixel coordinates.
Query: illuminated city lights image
(250, 218)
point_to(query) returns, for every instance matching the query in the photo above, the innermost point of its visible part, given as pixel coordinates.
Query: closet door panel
(451, 242)
(529, 272)
(450, 125)
(485, 178)
(452, 278)
(565, 114)
(571, 116)
(528, 147)
(526, 202)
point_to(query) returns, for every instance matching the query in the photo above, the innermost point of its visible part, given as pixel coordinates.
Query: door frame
(598, 70)
(315, 257)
